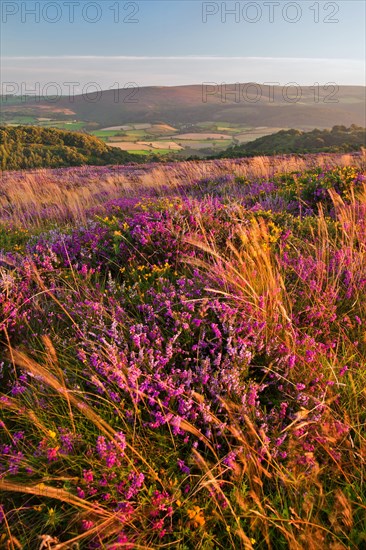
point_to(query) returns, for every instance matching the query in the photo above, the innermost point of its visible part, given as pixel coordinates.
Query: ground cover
(183, 355)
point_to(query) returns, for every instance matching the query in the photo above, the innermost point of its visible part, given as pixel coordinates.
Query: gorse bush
(187, 370)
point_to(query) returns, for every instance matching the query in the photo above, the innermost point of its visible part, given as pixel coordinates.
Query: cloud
(176, 58)
(116, 71)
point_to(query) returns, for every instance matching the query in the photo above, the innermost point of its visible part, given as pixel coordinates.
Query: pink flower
(52, 454)
(88, 476)
(87, 524)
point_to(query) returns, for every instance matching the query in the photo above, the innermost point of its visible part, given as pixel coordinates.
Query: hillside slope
(338, 139)
(273, 107)
(34, 147)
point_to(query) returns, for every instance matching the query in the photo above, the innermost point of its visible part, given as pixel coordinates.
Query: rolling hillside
(195, 104)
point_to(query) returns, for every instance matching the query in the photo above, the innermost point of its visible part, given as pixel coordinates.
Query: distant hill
(35, 147)
(275, 107)
(338, 139)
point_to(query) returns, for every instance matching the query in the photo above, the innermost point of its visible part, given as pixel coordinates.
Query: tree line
(337, 140)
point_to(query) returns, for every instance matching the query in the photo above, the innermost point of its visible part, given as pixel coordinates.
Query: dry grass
(43, 194)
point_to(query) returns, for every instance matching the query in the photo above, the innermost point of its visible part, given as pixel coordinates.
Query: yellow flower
(196, 516)
(52, 434)
(38, 508)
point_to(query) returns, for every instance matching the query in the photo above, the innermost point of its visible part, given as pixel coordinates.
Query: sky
(75, 45)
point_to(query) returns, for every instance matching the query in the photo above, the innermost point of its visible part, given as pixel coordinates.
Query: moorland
(182, 355)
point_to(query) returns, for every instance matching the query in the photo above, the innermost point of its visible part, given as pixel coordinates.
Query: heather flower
(52, 454)
(230, 459)
(80, 492)
(88, 476)
(183, 467)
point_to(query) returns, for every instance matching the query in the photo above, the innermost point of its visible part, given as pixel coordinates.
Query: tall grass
(38, 198)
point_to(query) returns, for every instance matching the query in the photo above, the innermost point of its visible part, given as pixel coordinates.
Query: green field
(62, 125)
(142, 152)
(190, 146)
(105, 134)
(18, 119)
(154, 134)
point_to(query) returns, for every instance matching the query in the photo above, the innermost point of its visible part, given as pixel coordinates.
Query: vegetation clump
(24, 147)
(337, 140)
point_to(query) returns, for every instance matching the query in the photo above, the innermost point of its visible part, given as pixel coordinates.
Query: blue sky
(181, 42)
